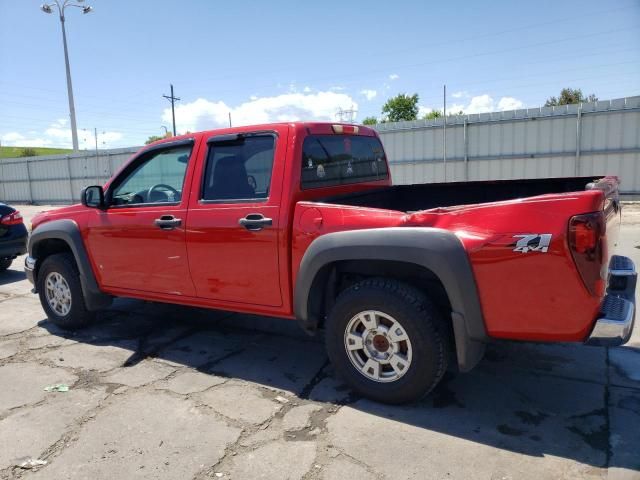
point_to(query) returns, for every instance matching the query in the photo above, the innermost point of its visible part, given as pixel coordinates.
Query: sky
(298, 60)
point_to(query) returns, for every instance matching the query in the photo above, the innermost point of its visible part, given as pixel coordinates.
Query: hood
(69, 212)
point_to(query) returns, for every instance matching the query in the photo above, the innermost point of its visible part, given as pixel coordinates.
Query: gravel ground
(165, 392)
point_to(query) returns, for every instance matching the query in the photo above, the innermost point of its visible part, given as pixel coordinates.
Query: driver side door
(138, 242)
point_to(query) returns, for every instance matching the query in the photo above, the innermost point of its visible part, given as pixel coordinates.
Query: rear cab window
(330, 160)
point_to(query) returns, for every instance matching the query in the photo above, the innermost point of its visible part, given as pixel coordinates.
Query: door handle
(167, 222)
(255, 221)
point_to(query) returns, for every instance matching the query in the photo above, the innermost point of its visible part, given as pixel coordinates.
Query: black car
(13, 235)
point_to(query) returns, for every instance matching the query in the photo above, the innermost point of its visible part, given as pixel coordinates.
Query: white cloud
(455, 108)
(486, 103)
(11, 137)
(394, 76)
(423, 110)
(460, 94)
(58, 135)
(203, 114)
(480, 104)
(59, 123)
(369, 94)
(306, 89)
(509, 103)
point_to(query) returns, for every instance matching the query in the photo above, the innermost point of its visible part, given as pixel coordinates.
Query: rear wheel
(61, 292)
(387, 340)
(5, 263)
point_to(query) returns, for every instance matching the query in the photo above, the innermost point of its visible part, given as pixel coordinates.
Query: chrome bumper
(29, 269)
(618, 309)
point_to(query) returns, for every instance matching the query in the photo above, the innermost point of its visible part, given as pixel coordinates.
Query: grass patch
(15, 152)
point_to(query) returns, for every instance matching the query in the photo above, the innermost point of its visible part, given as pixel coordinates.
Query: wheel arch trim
(69, 232)
(437, 250)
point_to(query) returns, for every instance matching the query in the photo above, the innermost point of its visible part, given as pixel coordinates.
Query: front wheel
(387, 340)
(60, 292)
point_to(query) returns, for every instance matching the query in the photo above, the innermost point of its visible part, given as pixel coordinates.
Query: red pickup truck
(301, 221)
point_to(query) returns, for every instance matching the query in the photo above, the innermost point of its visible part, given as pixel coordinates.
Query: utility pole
(444, 133)
(173, 99)
(229, 119)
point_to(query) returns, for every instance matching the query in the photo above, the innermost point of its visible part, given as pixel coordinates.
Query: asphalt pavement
(167, 392)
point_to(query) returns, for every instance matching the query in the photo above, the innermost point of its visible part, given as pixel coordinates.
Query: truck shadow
(11, 276)
(536, 400)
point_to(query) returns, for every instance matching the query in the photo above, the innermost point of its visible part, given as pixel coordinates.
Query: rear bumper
(14, 243)
(618, 309)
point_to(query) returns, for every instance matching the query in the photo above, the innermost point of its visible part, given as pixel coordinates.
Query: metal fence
(57, 179)
(571, 140)
(589, 139)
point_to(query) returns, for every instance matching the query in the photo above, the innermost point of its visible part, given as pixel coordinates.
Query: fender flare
(68, 232)
(437, 250)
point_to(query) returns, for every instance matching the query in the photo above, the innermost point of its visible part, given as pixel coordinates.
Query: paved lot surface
(166, 392)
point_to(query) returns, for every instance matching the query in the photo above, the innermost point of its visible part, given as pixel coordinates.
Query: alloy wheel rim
(378, 346)
(58, 293)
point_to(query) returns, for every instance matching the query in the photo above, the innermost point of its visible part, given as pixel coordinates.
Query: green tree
(370, 121)
(28, 152)
(400, 108)
(433, 114)
(569, 96)
(153, 138)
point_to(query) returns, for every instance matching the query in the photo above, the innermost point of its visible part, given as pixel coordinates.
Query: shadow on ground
(11, 276)
(537, 400)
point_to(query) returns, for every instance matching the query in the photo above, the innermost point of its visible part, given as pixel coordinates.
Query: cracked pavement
(163, 392)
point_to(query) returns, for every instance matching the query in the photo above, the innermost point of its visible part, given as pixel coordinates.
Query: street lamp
(61, 5)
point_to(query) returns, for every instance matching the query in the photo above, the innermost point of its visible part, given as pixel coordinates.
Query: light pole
(47, 8)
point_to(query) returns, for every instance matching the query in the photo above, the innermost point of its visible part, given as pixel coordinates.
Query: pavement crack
(320, 375)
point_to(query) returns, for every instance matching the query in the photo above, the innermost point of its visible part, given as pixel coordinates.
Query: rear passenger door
(233, 224)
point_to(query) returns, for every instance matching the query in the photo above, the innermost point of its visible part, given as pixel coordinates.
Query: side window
(239, 169)
(329, 160)
(158, 179)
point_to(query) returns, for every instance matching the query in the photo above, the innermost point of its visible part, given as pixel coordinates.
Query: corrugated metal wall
(57, 178)
(589, 139)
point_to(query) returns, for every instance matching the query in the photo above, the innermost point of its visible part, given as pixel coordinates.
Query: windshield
(329, 160)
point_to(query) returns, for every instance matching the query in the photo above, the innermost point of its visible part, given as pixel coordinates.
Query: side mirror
(92, 197)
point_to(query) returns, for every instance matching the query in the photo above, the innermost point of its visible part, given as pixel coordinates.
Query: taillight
(14, 218)
(588, 248)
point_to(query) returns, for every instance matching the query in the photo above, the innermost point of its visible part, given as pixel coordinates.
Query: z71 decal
(533, 242)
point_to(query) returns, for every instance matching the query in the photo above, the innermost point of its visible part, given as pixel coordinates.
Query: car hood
(70, 212)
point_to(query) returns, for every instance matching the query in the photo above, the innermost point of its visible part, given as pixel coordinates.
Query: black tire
(5, 263)
(78, 315)
(422, 323)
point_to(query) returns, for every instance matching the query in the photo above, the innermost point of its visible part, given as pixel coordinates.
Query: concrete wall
(589, 139)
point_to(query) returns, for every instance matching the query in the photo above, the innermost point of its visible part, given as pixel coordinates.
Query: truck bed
(408, 198)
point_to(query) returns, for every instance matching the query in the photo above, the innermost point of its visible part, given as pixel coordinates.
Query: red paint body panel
(211, 261)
